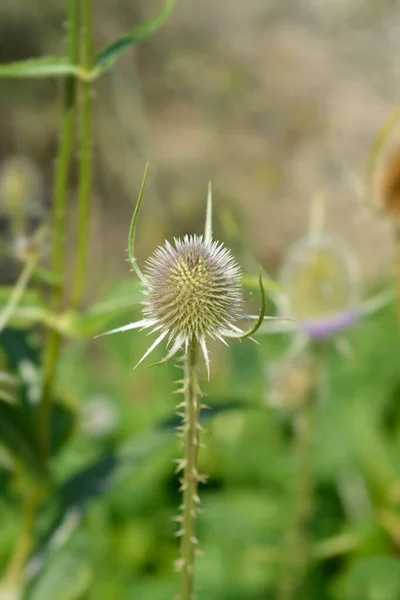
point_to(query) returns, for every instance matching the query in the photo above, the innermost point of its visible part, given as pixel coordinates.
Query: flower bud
(386, 182)
(21, 193)
(321, 285)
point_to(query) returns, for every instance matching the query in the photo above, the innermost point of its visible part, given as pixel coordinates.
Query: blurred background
(274, 101)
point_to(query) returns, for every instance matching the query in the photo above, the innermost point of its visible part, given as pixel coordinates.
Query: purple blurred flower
(322, 328)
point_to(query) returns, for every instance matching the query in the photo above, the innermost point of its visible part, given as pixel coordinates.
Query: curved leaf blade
(122, 298)
(46, 66)
(107, 57)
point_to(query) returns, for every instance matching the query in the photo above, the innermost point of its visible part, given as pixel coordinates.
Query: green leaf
(369, 447)
(122, 298)
(63, 421)
(92, 481)
(97, 478)
(47, 66)
(17, 437)
(107, 57)
(19, 346)
(66, 571)
(373, 578)
(30, 312)
(17, 293)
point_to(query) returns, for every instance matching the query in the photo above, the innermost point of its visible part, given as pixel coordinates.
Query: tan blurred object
(387, 182)
(261, 97)
(21, 194)
(289, 383)
(319, 278)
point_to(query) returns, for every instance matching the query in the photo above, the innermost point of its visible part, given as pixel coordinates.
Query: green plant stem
(18, 290)
(53, 341)
(24, 542)
(85, 147)
(299, 550)
(190, 477)
(397, 268)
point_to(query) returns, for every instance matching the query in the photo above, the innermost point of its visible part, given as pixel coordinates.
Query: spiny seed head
(193, 289)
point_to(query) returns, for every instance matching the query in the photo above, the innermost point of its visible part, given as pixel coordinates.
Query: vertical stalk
(52, 344)
(298, 549)
(397, 267)
(189, 481)
(24, 542)
(85, 146)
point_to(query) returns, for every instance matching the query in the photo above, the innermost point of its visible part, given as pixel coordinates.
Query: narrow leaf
(261, 315)
(208, 225)
(107, 57)
(132, 228)
(27, 312)
(47, 66)
(122, 298)
(18, 291)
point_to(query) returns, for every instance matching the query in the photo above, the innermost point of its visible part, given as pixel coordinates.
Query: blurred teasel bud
(21, 199)
(320, 280)
(319, 277)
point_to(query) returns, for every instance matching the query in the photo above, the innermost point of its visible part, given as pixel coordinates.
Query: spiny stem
(52, 344)
(85, 174)
(298, 541)
(190, 477)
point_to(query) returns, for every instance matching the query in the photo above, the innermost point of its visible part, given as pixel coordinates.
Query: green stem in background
(18, 290)
(53, 341)
(190, 479)
(397, 267)
(299, 550)
(85, 147)
(24, 542)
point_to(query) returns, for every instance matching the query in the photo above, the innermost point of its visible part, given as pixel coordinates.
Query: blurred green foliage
(127, 495)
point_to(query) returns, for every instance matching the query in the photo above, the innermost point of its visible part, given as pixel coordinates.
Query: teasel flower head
(192, 291)
(320, 286)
